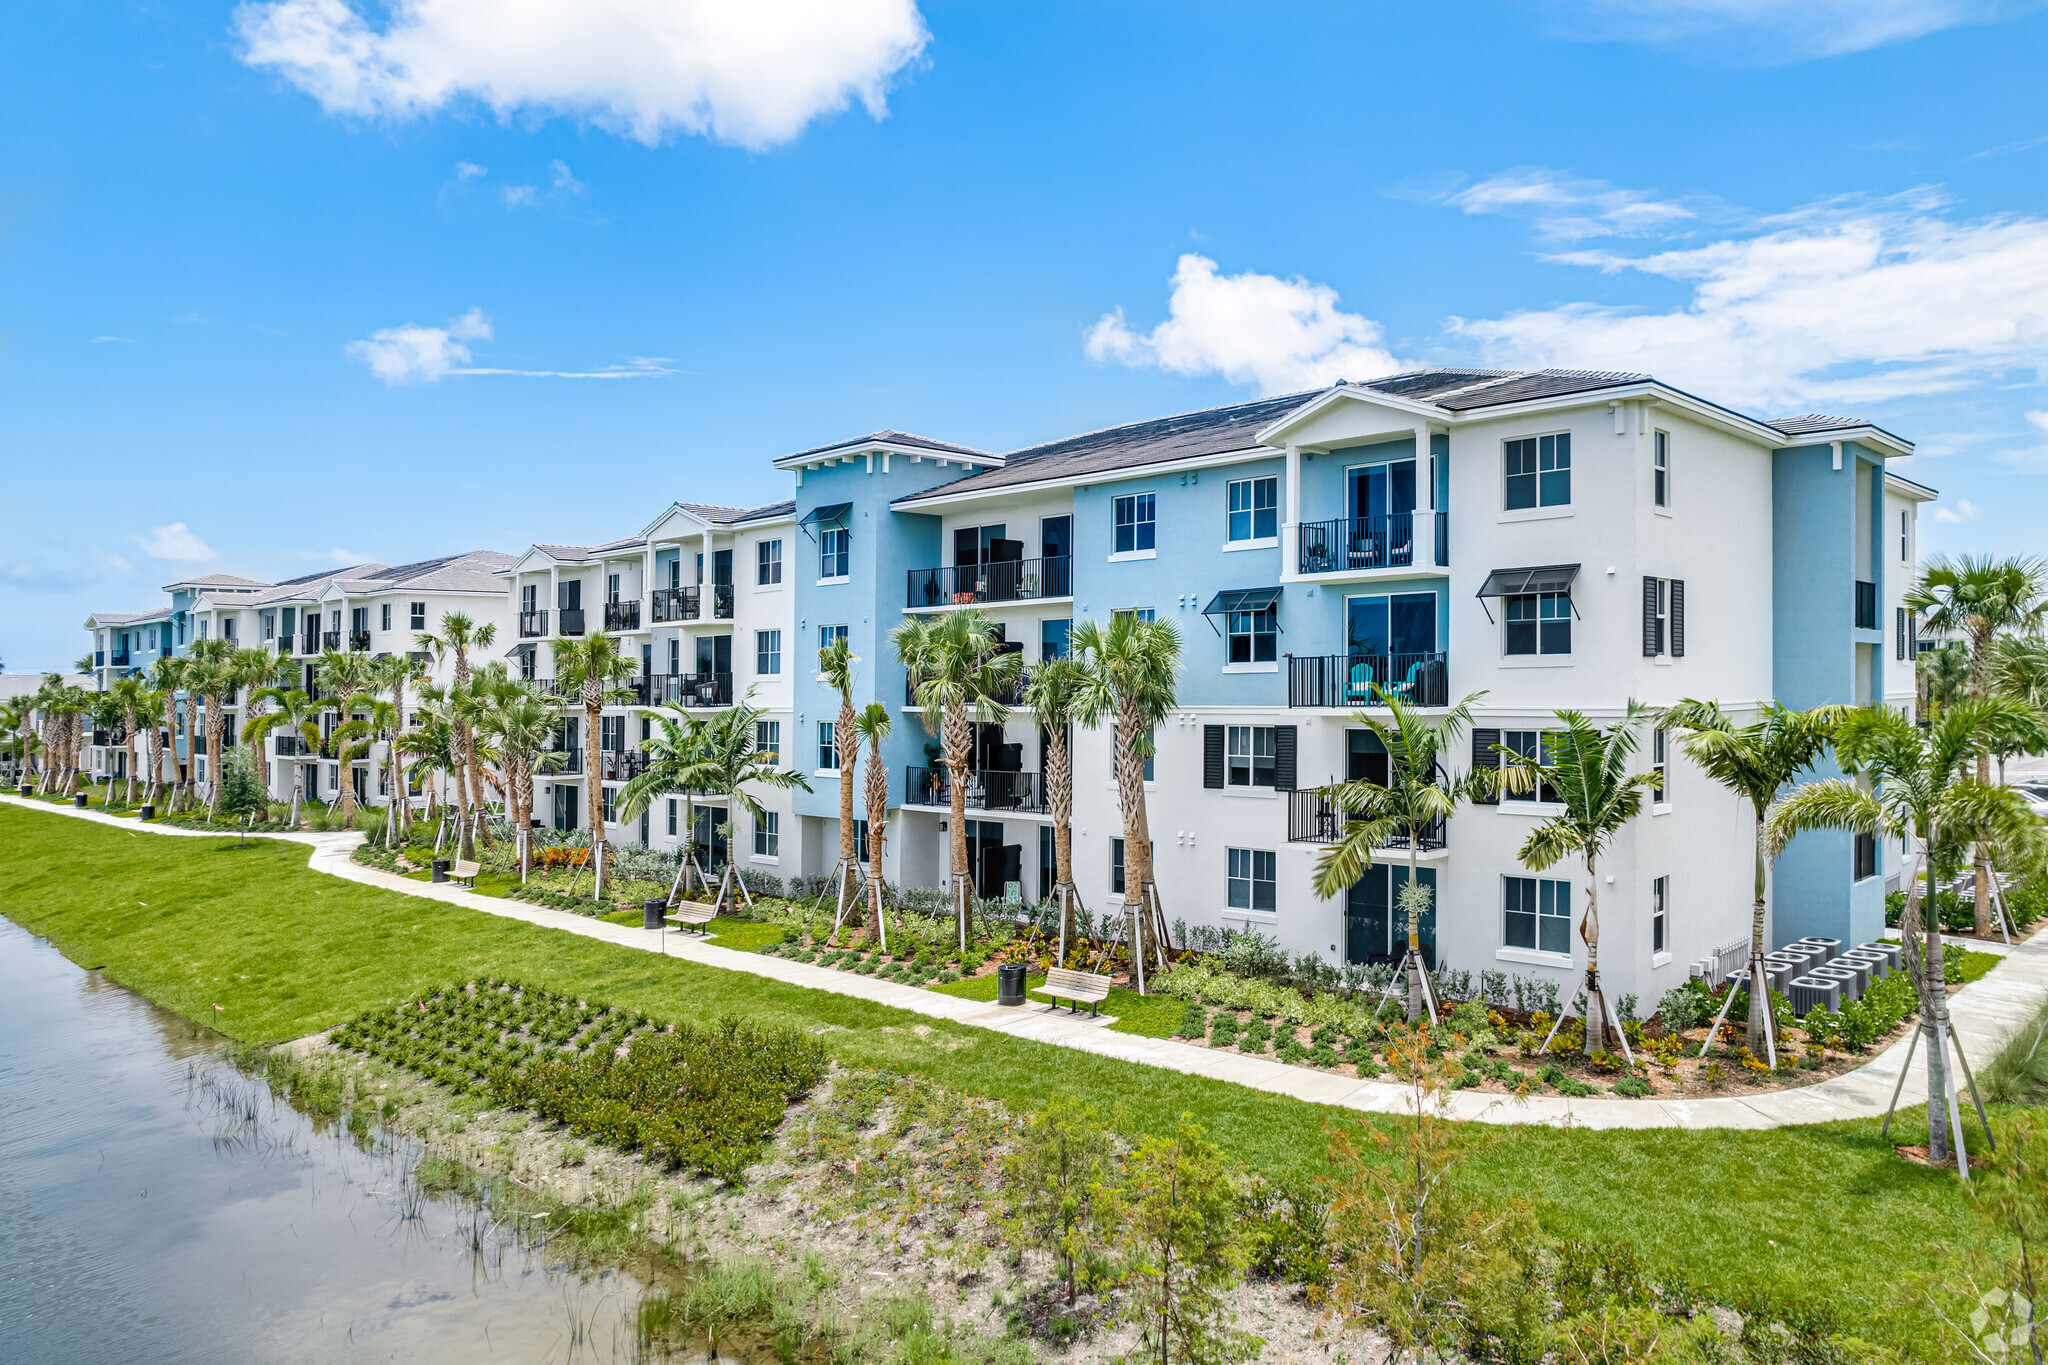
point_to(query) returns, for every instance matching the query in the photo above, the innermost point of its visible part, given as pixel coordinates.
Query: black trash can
(79, 800)
(654, 911)
(1010, 984)
(440, 869)
(149, 812)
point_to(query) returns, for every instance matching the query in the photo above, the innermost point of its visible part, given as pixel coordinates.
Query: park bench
(464, 873)
(693, 913)
(1089, 988)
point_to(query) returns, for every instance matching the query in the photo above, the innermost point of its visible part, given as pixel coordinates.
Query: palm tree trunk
(129, 796)
(846, 748)
(1926, 967)
(213, 748)
(1130, 793)
(1416, 1003)
(957, 733)
(1982, 862)
(1589, 931)
(1759, 996)
(345, 770)
(878, 815)
(593, 782)
(1059, 785)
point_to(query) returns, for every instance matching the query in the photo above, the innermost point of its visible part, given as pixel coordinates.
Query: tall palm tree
(835, 670)
(2019, 671)
(1755, 761)
(215, 671)
(430, 744)
(251, 670)
(597, 670)
(357, 737)
(678, 764)
(1588, 769)
(131, 695)
(1918, 786)
(1983, 600)
(392, 674)
(17, 717)
(459, 634)
(1941, 676)
(873, 725)
(522, 725)
(297, 715)
(1414, 798)
(1053, 693)
(345, 676)
(960, 674)
(166, 678)
(1131, 667)
(108, 713)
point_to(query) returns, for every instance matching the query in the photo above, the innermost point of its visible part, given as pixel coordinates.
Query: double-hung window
(1248, 758)
(611, 805)
(828, 747)
(1660, 764)
(829, 635)
(384, 617)
(1116, 867)
(1254, 509)
(1866, 856)
(1660, 915)
(834, 552)
(1254, 636)
(1538, 471)
(1539, 623)
(1537, 914)
(768, 652)
(1253, 879)
(1135, 523)
(768, 835)
(768, 739)
(672, 819)
(417, 613)
(1528, 744)
(1660, 471)
(768, 563)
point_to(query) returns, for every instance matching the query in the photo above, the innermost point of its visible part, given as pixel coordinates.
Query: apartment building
(1529, 541)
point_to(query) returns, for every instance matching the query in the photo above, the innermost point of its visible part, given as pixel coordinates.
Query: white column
(1291, 495)
(1425, 543)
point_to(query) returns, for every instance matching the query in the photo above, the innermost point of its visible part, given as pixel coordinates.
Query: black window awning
(1515, 582)
(829, 517)
(520, 651)
(1242, 599)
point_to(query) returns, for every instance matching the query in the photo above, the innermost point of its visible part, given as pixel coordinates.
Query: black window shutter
(1678, 618)
(1483, 756)
(1899, 633)
(1212, 756)
(1653, 638)
(1283, 758)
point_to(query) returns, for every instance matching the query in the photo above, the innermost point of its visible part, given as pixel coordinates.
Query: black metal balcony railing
(623, 765)
(572, 762)
(532, 624)
(668, 604)
(1348, 681)
(121, 658)
(1866, 606)
(330, 639)
(721, 601)
(289, 746)
(359, 640)
(622, 615)
(570, 620)
(1350, 544)
(1314, 819)
(986, 790)
(1002, 580)
(684, 689)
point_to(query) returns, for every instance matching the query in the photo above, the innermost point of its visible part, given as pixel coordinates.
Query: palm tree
(2019, 671)
(357, 737)
(344, 676)
(1053, 693)
(873, 725)
(1918, 786)
(131, 695)
(430, 743)
(108, 713)
(960, 673)
(1941, 676)
(253, 669)
(835, 670)
(459, 634)
(215, 669)
(18, 718)
(1756, 762)
(1588, 769)
(166, 677)
(1414, 799)
(393, 673)
(522, 724)
(597, 670)
(1131, 669)
(1983, 599)
(297, 715)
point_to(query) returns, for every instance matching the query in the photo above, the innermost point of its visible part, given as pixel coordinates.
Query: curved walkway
(1985, 1014)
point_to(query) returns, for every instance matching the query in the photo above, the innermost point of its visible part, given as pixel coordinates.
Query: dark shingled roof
(569, 553)
(892, 438)
(1813, 421)
(768, 511)
(353, 571)
(1532, 384)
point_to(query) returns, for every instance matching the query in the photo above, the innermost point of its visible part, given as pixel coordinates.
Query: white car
(2035, 794)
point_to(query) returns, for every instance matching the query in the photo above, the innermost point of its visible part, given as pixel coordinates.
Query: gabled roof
(215, 580)
(1833, 428)
(771, 511)
(128, 618)
(884, 440)
(471, 571)
(577, 554)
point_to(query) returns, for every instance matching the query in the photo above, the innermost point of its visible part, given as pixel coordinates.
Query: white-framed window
(1538, 623)
(1537, 472)
(1536, 914)
(1134, 516)
(1139, 613)
(827, 635)
(611, 806)
(1660, 615)
(1254, 879)
(768, 652)
(860, 841)
(611, 587)
(1660, 468)
(672, 818)
(768, 738)
(1660, 763)
(768, 835)
(416, 612)
(1528, 744)
(1660, 915)
(768, 562)
(384, 617)
(1905, 531)
(1116, 867)
(1254, 509)
(834, 552)
(1253, 636)
(828, 748)
(1248, 755)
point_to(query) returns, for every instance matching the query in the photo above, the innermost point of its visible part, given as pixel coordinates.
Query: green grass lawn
(1824, 1211)
(1148, 1016)
(487, 883)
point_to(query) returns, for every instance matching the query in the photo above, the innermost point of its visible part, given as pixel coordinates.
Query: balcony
(290, 746)
(1363, 544)
(622, 615)
(693, 601)
(572, 763)
(1866, 606)
(532, 624)
(1346, 681)
(684, 689)
(1013, 697)
(571, 621)
(668, 604)
(1002, 580)
(359, 641)
(121, 657)
(993, 790)
(330, 639)
(1313, 819)
(622, 765)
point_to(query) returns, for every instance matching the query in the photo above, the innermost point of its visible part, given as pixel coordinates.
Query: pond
(157, 1204)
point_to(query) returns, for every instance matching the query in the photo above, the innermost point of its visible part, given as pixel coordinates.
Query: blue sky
(301, 282)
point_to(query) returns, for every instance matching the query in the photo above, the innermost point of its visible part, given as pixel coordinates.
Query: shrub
(1685, 1006)
(1634, 1087)
(1194, 1021)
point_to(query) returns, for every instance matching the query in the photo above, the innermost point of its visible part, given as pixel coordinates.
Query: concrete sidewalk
(1985, 1014)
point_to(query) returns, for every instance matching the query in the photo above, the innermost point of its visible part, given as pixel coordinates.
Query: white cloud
(750, 74)
(1774, 31)
(101, 341)
(564, 182)
(176, 542)
(111, 561)
(1963, 511)
(1568, 207)
(469, 170)
(1252, 329)
(521, 197)
(413, 354)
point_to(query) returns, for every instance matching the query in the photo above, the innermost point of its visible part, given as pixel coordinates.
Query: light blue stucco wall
(1323, 475)
(1814, 536)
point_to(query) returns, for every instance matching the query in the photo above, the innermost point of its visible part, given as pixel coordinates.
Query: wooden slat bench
(1079, 988)
(465, 873)
(693, 914)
